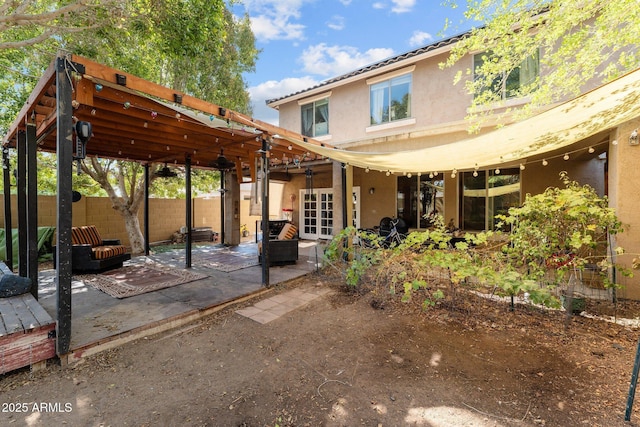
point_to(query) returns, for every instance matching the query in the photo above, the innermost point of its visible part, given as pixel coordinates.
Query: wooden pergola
(130, 119)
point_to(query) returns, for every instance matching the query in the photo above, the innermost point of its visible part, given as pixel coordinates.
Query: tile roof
(380, 64)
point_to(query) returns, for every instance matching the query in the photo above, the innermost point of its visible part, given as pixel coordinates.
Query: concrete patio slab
(100, 321)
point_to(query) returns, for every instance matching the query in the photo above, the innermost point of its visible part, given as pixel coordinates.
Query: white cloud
(275, 19)
(266, 28)
(337, 22)
(402, 6)
(275, 89)
(345, 2)
(335, 60)
(378, 5)
(420, 38)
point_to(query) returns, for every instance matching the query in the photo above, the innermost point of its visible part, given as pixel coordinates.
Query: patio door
(316, 212)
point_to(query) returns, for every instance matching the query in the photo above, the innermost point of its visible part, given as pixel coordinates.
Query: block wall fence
(166, 216)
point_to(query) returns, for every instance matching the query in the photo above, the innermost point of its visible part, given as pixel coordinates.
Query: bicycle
(388, 234)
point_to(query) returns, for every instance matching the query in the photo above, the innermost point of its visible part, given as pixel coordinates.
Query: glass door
(316, 212)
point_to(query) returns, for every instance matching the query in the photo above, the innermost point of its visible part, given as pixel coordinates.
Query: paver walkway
(272, 308)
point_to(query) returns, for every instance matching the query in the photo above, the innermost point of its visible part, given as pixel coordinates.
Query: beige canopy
(589, 114)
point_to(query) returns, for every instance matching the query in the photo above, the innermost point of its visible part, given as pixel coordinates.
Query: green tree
(193, 46)
(578, 41)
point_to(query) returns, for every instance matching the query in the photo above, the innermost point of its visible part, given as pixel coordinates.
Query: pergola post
(188, 213)
(8, 232)
(223, 199)
(147, 249)
(265, 214)
(21, 193)
(64, 150)
(32, 208)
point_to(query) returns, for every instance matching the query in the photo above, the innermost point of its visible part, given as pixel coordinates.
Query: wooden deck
(27, 333)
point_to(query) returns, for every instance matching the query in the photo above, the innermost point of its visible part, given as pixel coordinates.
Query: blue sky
(304, 42)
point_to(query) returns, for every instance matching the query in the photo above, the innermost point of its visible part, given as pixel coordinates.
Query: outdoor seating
(91, 253)
(200, 234)
(283, 243)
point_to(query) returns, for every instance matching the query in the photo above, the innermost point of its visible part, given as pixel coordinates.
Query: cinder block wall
(166, 216)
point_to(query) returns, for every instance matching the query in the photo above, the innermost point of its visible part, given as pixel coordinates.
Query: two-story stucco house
(405, 150)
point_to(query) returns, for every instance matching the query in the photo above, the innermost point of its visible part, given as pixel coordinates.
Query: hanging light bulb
(522, 166)
(566, 157)
(419, 173)
(367, 169)
(497, 171)
(409, 175)
(475, 173)
(388, 173)
(614, 142)
(544, 162)
(591, 150)
(431, 175)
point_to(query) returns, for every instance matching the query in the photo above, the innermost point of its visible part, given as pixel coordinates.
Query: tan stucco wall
(166, 216)
(624, 195)
(435, 103)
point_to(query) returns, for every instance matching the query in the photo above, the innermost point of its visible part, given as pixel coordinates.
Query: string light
(497, 171)
(544, 162)
(591, 150)
(409, 175)
(522, 166)
(566, 156)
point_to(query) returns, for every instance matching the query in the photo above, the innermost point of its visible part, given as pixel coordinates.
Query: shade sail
(589, 114)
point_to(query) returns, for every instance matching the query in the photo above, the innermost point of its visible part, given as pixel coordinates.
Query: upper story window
(508, 86)
(390, 99)
(315, 118)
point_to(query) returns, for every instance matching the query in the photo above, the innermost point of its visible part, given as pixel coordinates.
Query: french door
(316, 212)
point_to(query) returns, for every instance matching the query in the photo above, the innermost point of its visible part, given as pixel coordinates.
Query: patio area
(100, 321)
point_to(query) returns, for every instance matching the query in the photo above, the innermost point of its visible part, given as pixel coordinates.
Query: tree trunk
(127, 199)
(132, 225)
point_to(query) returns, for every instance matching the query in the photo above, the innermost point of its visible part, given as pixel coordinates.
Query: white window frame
(319, 192)
(313, 100)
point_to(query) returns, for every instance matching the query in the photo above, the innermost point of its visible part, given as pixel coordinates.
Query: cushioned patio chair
(91, 253)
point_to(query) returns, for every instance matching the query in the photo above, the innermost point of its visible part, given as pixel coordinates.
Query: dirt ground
(343, 361)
